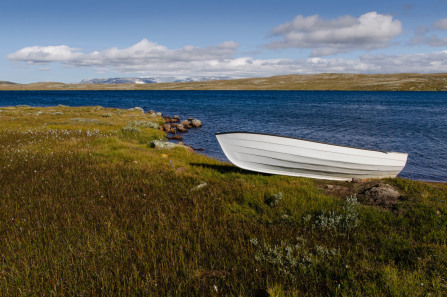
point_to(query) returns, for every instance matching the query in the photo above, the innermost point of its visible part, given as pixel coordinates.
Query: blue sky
(68, 41)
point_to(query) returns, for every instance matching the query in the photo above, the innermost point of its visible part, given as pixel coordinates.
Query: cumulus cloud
(328, 37)
(45, 54)
(143, 56)
(150, 58)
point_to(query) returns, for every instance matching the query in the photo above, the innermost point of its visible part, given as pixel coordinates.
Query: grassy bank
(88, 208)
(323, 81)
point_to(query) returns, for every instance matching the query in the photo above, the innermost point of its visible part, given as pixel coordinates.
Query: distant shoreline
(311, 82)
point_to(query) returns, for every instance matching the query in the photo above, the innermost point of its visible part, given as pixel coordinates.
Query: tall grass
(88, 209)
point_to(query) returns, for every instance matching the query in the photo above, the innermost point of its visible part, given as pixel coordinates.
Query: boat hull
(297, 157)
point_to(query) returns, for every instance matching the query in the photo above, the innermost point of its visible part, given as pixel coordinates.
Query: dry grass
(89, 209)
(325, 81)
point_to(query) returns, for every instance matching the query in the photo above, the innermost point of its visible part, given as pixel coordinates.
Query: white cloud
(328, 37)
(45, 54)
(143, 56)
(435, 62)
(149, 58)
(441, 24)
(420, 37)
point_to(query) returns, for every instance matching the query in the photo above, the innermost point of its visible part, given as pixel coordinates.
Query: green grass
(87, 208)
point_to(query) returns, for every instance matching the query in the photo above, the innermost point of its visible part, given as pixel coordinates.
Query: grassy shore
(324, 81)
(88, 208)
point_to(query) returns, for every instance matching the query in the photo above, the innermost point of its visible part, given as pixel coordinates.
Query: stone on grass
(382, 195)
(162, 144)
(136, 109)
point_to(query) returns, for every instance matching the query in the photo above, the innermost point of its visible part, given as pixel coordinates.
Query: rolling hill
(324, 81)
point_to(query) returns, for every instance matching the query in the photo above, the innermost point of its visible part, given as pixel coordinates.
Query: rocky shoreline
(174, 128)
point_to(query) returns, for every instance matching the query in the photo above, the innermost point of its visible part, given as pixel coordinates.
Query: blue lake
(411, 122)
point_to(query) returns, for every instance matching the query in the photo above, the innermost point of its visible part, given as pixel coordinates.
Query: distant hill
(3, 82)
(324, 81)
(151, 80)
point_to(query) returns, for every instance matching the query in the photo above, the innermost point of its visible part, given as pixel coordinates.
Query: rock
(166, 127)
(190, 119)
(136, 109)
(181, 129)
(176, 117)
(186, 124)
(167, 119)
(160, 144)
(382, 195)
(158, 114)
(196, 123)
(356, 180)
(151, 112)
(175, 137)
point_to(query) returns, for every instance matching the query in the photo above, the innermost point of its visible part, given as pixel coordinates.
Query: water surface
(411, 122)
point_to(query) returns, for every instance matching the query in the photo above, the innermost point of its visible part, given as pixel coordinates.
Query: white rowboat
(297, 157)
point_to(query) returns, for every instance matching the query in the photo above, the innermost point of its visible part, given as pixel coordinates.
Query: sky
(68, 41)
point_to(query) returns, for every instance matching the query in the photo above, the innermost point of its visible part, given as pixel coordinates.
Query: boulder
(186, 124)
(182, 129)
(136, 109)
(161, 144)
(175, 137)
(166, 127)
(382, 195)
(196, 123)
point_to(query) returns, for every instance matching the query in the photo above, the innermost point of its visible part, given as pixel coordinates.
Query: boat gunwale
(320, 142)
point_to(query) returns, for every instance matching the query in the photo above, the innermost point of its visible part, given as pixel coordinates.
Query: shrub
(344, 221)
